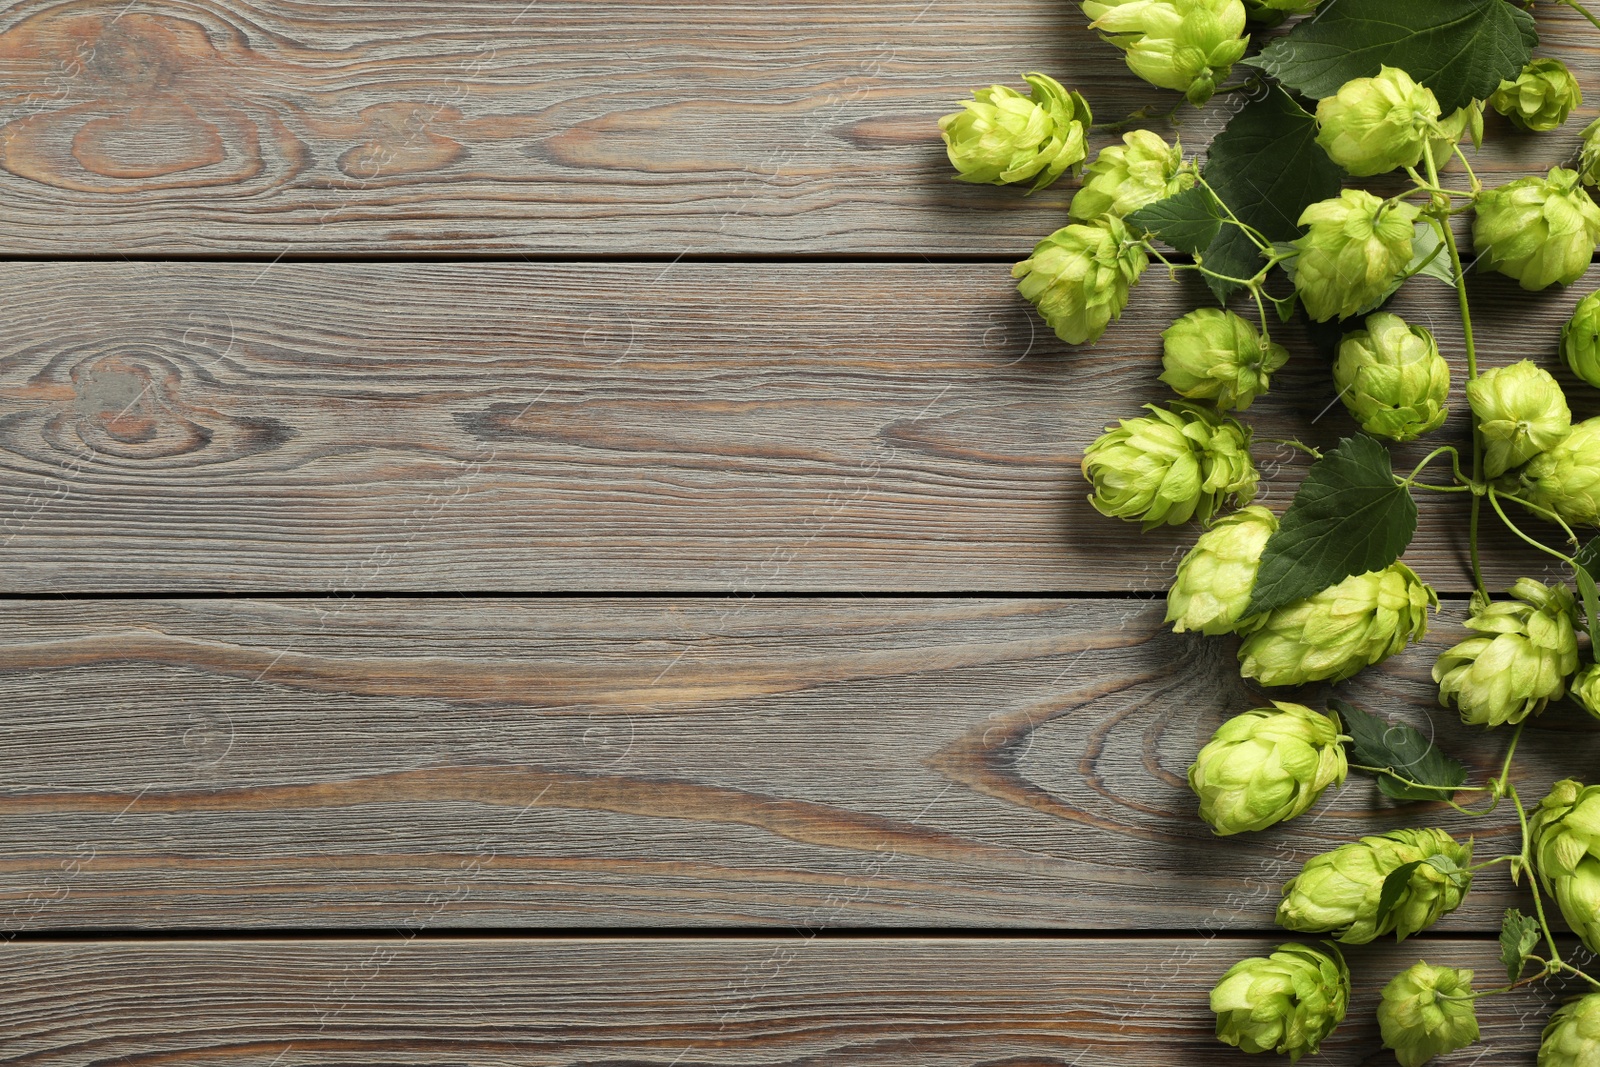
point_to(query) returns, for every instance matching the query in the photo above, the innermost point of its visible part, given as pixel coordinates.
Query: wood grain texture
(544, 763)
(356, 429)
(371, 126)
(759, 1002)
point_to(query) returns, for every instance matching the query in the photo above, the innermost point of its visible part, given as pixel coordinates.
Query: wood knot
(130, 406)
(401, 139)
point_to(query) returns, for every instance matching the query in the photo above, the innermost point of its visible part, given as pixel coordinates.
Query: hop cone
(1520, 660)
(1215, 579)
(1124, 178)
(1080, 276)
(1586, 689)
(1521, 413)
(1286, 1003)
(1392, 378)
(1001, 136)
(1566, 479)
(1589, 158)
(1187, 45)
(1340, 892)
(1566, 844)
(1466, 122)
(1573, 1037)
(1212, 354)
(1266, 767)
(1580, 340)
(1420, 1016)
(1165, 469)
(1541, 97)
(1373, 125)
(1539, 231)
(1356, 251)
(1363, 620)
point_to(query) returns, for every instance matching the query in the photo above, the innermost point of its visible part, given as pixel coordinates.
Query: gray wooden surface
(756, 1002)
(356, 429)
(516, 763)
(663, 352)
(373, 127)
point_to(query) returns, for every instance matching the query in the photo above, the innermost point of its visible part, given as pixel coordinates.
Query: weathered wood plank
(767, 1001)
(699, 427)
(369, 127)
(546, 763)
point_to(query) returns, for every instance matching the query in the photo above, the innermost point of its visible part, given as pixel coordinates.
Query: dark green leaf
(1588, 558)
(1461, 49)
(1403, 753)
(1519, 936)
(1267, 167)
(1188, 221)
(1394, 887)
(1349, 517)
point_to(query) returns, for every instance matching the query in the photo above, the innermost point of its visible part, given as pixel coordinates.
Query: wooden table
(540, 533)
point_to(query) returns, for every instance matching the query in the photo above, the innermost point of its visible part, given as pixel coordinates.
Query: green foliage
(1402, 752)
(1267, 167)
(1349, 517)
(1519, 935)
(1461, 49)
(1189, 221)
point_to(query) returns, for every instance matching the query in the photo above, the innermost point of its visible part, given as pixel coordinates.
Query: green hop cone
(1363, 620)
(1566, 479)
(1566, 845)
(1287, 1003)
(1179, 462)
(1539, 231)
(1521, 412)
(1373, 125)
(1589, 156)
(1269, 13)
(1518, 662)
(1541, 97)
(1214, 580)
(1001, 136)
(1586, 689)
(1573, 1037)
(1580, 339)
(1187, 45)
(1213, 354)
(1392, 378)
(1356, 251)
(1267, 766)
(1080, 276)
(1340, 892)
(1124, 178)
(1426, 1012)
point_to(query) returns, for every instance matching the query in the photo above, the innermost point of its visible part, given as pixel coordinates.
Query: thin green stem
(1525, 863)
(1430, 457)
(1486, 864)
(1472, 176)
(1580, 9)
(1299, 445)
(1494, 501)
(1256, 236)
(1548, 515)
(1447, 235)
